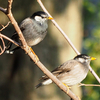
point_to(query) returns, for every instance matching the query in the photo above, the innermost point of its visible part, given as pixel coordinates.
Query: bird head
(83, 58)
(41, 16)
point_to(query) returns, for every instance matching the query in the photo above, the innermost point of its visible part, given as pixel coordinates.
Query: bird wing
(65, 67)
(15, 36)
(22, 28)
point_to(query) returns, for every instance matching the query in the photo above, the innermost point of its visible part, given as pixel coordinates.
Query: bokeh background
(80, 20)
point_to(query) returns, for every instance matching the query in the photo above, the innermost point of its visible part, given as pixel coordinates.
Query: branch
(3, 27)
(58, 27)
(7, 38)
(2, 48)
(55, 80)
(9, 6)
(3, 10)
(66, 37)
(81, 84)
(15, 24)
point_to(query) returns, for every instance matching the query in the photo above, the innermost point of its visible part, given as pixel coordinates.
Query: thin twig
(7, 38)
(94, 74)
(68, 40)
(3, 46)
(3, 27)
(81, 84)
(3, 10)
(58, 27)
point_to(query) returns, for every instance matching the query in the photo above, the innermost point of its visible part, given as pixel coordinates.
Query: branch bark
(7, 38)
(2, 48)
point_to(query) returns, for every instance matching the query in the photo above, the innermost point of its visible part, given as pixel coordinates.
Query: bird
(71, 72)
(34, 30)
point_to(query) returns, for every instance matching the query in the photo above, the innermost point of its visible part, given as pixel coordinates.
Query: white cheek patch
(38, 18)
(81, 60)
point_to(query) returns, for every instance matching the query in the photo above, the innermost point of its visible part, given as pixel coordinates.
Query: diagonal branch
(3, 10)
(82, 84)
(3, 27)
(58, 27)
(9, 6)
(66, 37)
(2, 48)
(15, 24)
(7, 38)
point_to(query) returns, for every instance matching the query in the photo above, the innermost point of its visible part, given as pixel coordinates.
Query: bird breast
(75, 75)
(33, 32)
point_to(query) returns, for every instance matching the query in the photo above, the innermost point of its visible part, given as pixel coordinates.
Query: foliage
(91, 45)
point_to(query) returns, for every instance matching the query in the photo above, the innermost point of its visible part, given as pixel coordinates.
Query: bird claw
(78, 98)
(68, 90)
(37, 59)
(67, 87)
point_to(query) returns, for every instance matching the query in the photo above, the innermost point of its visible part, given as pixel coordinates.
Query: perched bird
(71, 72)
(34, 29)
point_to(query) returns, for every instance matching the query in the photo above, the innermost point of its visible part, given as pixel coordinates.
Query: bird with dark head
(34, 30)
(71, 72)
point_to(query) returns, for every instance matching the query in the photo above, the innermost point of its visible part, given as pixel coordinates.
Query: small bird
(34, 29)
(71, 72)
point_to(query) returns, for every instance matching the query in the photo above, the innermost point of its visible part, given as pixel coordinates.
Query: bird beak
(92, 58)
(50, 18)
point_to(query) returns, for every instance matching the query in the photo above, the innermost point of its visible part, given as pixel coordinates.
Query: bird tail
(46, 82)
(37, 86)
(8, 51)
(10, 47)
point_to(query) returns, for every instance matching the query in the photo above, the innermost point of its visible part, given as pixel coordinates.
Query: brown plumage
(71, 72)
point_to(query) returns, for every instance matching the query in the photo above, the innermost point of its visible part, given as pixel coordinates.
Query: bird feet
(67, 87)
(37, 59)
(68, 90)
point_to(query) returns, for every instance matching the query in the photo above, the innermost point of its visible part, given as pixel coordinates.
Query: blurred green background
(80, 20)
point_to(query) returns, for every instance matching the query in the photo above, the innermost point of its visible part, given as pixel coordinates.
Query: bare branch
(15, 24)
(7, 38)
(94, 74)
(54, 79)
(68, 40)
(3, 10)
(9, 6)
(2, 48)
(58, 27)
(81, 84)
(3, 27)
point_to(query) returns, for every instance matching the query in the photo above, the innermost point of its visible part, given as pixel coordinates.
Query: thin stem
(81, 84)
(58, 27)
(3, 10)
(3, 27)
(3, 46)
(7, 38)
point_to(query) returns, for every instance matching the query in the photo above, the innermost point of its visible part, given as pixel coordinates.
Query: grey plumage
(34, 29)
